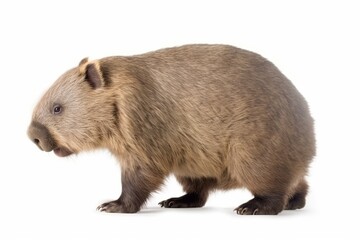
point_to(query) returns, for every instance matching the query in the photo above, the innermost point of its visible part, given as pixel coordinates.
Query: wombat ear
(82, 64)
(92, 73)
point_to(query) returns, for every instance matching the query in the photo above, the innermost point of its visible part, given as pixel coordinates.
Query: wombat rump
(215, 116)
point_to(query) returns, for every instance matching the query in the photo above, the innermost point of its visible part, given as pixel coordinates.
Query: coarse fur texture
(215, 116)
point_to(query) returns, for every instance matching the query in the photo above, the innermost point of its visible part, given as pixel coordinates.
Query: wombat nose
(40, 135)
(36, 141)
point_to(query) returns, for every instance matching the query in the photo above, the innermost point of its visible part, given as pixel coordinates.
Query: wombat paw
(243, 210)
(116, 207)
(260, 206)
(175, 203)
(190, 200)
(296, 202)
(166, 203)
(110, 207)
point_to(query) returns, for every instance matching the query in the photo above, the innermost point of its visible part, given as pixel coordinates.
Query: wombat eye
(57, 109)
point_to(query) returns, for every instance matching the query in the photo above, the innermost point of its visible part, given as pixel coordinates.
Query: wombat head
(74, 113)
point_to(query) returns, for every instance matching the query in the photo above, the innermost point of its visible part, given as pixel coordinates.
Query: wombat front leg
(136, 188)
(197, 192)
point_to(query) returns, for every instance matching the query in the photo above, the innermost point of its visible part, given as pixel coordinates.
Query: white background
(314, 43)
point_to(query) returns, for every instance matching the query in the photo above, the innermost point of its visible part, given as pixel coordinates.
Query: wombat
(215, 116)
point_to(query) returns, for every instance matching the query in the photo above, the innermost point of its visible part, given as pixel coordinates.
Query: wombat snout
(40, 135)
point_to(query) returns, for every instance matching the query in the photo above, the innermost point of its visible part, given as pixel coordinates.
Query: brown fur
(215, 116)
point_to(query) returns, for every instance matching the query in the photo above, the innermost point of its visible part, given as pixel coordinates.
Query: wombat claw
(245, 211)
(110, 207)
(166, 204)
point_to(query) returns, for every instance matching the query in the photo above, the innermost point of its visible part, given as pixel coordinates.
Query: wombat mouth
(62, 152)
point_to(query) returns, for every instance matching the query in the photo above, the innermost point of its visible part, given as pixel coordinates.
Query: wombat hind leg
(297, 200)
(197, 192)
(261, 206)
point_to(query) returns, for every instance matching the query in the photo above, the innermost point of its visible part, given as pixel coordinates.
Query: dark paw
(296, 202)
(167, 203)
(110, 207)
(247, 209)
(116, 207)
(177, 203)
(190, 200)
(260, 206)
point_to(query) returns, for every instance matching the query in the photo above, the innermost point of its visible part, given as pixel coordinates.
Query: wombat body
(215, 116)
